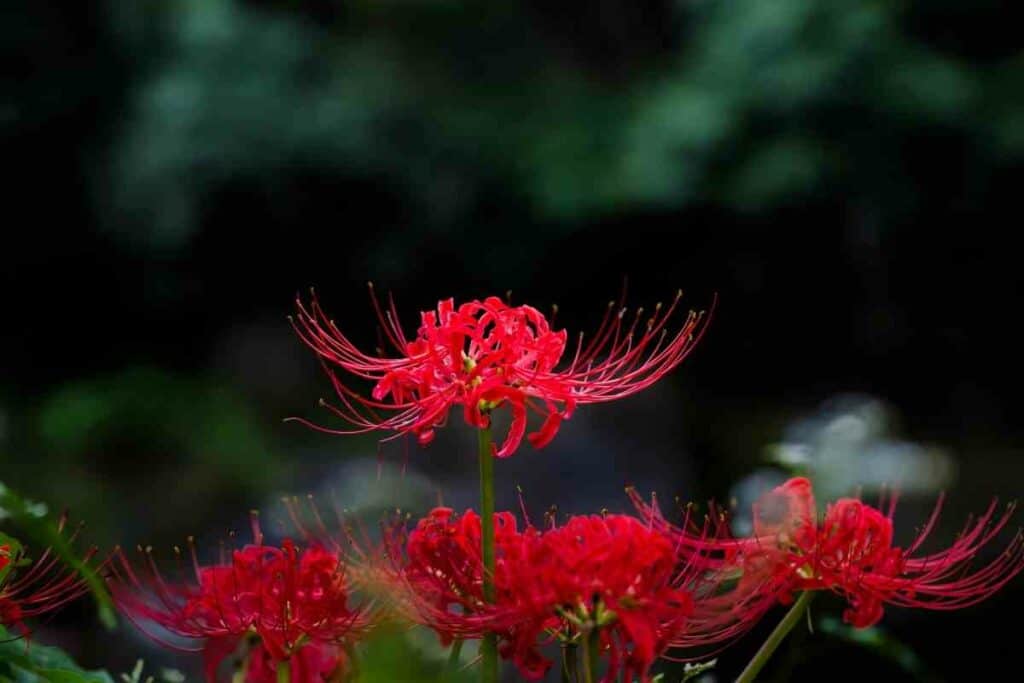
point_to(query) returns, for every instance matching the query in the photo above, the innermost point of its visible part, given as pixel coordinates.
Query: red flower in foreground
(610, 574)
(30, 588)
(269, 604)
(850, 551)
(483, 355)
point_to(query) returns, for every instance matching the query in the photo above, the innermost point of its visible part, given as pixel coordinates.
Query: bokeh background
(846, 177)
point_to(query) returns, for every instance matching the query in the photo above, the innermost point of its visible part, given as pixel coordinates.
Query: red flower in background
(30, 588)
(611, 573)
(483, 355)
(270, 604)
(851, 552)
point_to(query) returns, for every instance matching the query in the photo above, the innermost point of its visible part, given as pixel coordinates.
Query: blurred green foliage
(746, 103)
(879, 642)
(393, 655)
(119, 434)
(22, 662)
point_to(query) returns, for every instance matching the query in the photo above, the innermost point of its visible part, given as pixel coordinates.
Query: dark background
(844, 175)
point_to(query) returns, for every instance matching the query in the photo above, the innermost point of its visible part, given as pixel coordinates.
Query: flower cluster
(267, 604)
(607, 581)
(483, 355)
(620, 590)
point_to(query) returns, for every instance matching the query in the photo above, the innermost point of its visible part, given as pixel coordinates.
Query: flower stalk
(489, 644)
(454, 656)
(591, 651)
(570, 666)
(769, 646)
(284, 672)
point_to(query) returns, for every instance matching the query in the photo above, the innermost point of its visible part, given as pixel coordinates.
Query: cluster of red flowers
(482, 355)
(646, 586)
(266, 604)
(607, 577)
(619, 588)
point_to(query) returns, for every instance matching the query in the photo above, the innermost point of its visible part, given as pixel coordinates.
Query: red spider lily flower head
(608, 573)
(611, 574)
(33, 587)
(269, 603)
(434, 573)
(850, 551)
(482, 355)
(624, 578)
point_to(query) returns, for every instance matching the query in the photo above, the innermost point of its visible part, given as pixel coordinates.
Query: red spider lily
(272, 603)
(608, 574)
(434, 573)
(483, 355)
(33, 588)
(850, 552)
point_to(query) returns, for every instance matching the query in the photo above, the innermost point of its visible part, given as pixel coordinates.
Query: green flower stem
(591, 651)
(284, 672)
(570, 672)
(777, 636)
(489, 644)
(453, 657)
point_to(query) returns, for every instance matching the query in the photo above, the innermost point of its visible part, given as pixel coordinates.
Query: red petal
(543, 436)
(516, 431)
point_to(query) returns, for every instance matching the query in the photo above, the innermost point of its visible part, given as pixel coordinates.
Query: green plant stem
(591, 651)
(453, 656)
(570, 672)
(489, 644)
(284, 672)
(777, 636)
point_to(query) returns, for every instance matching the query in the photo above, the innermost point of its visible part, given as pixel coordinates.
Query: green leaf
(877, 640)
(25, 662)
(391, 655)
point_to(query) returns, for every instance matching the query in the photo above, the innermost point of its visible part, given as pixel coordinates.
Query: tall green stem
(570, 672)
(489, 645)
(591, 652)
(777, 636)
(284, 672)
(454, 657)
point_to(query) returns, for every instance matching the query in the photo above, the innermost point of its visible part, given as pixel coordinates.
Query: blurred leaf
(128, 430)
(881, 643)
(25, 662)
(390, 655)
